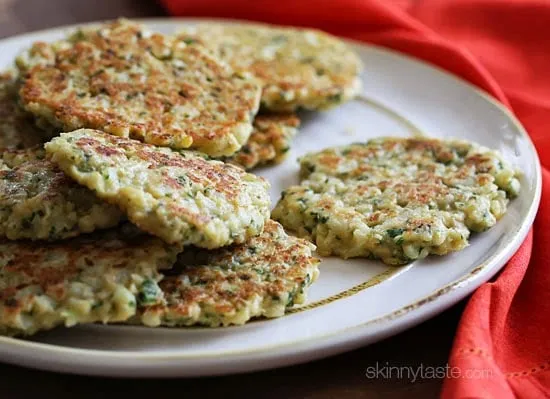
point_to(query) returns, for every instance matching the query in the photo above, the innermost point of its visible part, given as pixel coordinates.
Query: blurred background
(18, 16)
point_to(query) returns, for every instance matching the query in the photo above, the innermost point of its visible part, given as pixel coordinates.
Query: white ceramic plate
(346, 309)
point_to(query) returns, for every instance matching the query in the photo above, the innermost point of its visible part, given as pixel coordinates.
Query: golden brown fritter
(180, 197)
(93, 278)
(17, 128)
(397, 199)
(269, 142)
(39, 202)
(299, 68)
(262, 277)
(127, 81)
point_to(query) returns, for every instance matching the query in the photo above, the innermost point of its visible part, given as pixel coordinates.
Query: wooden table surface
(338, 377)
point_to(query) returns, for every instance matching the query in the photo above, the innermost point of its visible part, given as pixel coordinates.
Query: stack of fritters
(100, 277)
(123, 190)
(125, 196)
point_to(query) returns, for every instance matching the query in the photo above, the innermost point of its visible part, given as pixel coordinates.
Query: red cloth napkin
(503, 46)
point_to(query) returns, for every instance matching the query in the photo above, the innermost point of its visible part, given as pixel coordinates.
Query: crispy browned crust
(93, 278)
(38, 201)
(49, 264)
(181, 197)
(272, 269)
(223, 178)
(459, 159)
(129, 82)
(397, 199)
(299, 68)
(269, 142)
(17, 128)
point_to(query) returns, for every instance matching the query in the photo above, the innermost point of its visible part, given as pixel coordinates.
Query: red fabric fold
(501, 347)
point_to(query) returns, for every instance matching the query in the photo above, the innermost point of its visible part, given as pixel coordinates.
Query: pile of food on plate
(125, 187)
